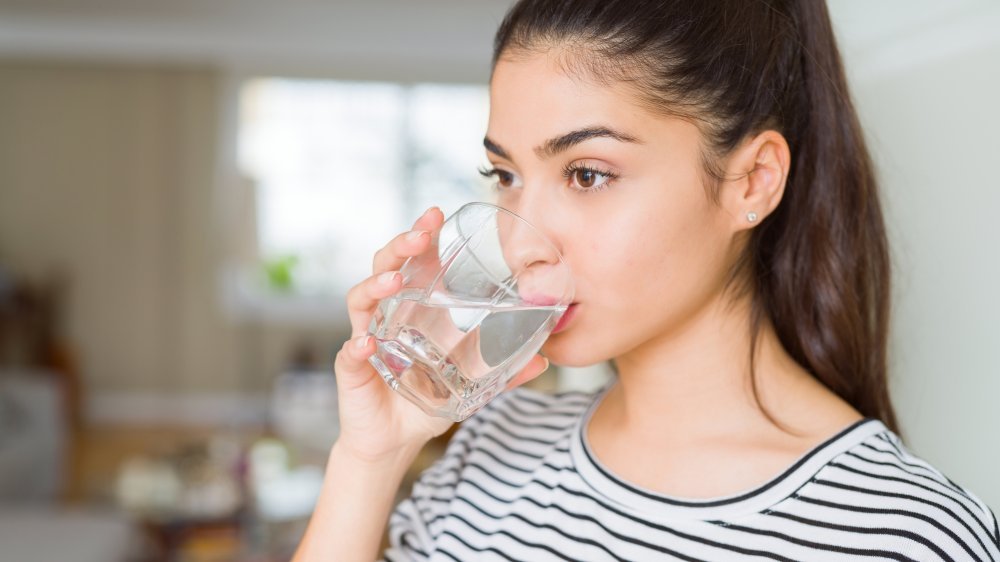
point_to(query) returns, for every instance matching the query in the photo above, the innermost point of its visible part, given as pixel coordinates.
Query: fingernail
(421, 217)
(415, 234)
(387, 277)
(362, 342)
(546, 367)
(427, 212)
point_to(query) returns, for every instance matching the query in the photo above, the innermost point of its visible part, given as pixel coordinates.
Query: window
(338, 168)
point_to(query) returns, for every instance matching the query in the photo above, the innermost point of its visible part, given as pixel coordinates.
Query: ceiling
(443, 39)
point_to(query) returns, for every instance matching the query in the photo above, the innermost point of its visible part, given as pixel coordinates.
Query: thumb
(535, 367)
(351, 364)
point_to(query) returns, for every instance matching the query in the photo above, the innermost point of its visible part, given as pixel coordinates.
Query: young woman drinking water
(701, 168)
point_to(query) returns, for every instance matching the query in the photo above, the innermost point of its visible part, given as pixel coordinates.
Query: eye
(504, 179)
(588, 179)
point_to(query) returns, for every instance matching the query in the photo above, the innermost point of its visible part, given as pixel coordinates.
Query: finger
(393, 254)
(351, 363)
(430, 220)
(535, 367)
(363, 298)
(400, 248)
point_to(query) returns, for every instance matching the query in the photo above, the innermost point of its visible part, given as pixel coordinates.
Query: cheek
(618, 256)
(613, 246)
(634, 274)
(652, 258)
(645, 265)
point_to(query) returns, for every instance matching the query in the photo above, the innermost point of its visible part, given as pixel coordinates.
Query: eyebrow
(561, 143)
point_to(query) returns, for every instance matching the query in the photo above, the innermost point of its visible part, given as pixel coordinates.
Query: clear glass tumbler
(473, 310)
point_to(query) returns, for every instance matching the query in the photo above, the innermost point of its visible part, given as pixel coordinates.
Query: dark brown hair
(818, 267)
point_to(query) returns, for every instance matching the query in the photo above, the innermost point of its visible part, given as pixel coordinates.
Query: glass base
(455, 410)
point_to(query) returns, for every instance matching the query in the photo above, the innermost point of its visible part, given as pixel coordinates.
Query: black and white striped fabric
(518, 482)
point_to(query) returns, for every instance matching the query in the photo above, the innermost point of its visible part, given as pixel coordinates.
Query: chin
(570, 349)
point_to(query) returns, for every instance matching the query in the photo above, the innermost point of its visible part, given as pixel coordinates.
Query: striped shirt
(518, 481)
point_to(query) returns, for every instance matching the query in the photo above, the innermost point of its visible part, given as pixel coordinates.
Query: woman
(702, 170)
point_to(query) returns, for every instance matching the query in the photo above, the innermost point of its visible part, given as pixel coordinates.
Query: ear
(758, 169)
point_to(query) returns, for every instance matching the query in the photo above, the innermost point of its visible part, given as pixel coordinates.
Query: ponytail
(823, 264)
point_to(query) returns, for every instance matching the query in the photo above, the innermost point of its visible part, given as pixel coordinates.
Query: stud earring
(751, 216)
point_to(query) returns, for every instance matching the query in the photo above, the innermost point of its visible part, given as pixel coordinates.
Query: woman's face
(620, 193)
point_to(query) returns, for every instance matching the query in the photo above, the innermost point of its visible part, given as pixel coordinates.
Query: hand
(377, 423)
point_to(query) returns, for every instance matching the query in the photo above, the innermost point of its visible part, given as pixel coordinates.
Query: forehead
(533, 97)
(536, 90)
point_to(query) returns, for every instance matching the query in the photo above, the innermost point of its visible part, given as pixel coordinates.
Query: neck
(694, 382)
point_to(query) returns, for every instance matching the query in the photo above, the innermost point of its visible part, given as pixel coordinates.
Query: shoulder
(519, 430)
(521, 418)
(530, 412)
(526, 400)
(880, 481)
(515, 432)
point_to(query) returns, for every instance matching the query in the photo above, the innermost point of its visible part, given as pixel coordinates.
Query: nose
(529, 236)
(533, 255)
(524, 244)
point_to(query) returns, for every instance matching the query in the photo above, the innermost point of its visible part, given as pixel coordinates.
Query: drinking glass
(473, 310)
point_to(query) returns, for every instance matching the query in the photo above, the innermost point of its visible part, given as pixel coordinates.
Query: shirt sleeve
(986, 527)
(414, 524)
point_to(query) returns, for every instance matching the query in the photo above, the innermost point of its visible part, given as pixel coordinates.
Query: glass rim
(524, 221)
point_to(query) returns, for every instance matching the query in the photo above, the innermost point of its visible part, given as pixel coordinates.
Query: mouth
(539, 299)
(565, 319)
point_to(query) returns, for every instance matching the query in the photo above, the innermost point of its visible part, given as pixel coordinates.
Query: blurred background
(188, 188)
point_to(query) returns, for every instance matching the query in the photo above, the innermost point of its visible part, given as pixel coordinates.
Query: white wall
(926, 80)
(934, 129)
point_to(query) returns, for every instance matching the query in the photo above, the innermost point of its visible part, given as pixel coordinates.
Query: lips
(565, 319)
(539, 300)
